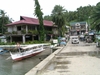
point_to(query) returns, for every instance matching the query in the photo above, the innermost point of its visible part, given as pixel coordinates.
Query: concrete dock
(72, 59)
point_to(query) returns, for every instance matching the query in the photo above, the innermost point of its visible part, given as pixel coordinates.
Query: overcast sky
(17, 8)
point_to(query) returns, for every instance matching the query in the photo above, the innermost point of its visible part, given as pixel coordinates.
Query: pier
(72, 59)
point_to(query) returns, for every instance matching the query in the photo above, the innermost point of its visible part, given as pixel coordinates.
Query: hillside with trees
(83, 13)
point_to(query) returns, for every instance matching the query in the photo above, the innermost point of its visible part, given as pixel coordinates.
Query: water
(9, 67)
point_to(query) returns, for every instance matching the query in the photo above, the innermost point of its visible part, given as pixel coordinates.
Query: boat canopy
(31, 46)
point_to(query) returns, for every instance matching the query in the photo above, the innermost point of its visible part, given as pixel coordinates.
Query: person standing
(18, 46)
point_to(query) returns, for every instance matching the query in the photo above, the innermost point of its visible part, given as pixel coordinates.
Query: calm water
(9, 67)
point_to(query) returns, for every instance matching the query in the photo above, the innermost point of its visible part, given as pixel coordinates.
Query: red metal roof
(32, 21)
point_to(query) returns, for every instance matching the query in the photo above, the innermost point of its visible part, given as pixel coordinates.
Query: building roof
(30, 21)
(81, 23)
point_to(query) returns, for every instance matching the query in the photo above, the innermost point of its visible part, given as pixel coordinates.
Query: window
(18, 28)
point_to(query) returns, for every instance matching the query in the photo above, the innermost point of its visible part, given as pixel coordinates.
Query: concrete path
(75, 59)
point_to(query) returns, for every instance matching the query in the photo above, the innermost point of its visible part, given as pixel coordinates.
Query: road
(76, 59)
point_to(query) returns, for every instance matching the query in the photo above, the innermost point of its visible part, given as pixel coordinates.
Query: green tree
(84, 12)
(39, 14)
(47, 17)
(72, 16)
(58, 18)
(81, 14)
(96, 17)
(4, 19)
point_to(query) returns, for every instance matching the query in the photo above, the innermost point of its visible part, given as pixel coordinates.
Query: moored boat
(27, 51)
(2, 51)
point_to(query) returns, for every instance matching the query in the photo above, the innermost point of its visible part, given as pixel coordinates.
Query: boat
(27, 51)
(2, 51)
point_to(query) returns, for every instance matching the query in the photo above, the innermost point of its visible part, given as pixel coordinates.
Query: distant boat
(2, 51)
(27, 51)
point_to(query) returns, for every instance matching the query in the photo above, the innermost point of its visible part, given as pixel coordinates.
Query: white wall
(55, 31)
(9, 29)
(12, 28)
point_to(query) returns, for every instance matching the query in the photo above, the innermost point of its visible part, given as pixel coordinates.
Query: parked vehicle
(82, 37)
(98, 41)
(63, 41)
(27, 51)
(2, 51)
(74, 39)
(88, 39)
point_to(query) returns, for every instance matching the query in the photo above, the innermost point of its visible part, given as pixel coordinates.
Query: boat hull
(26, 52)
(24, 57)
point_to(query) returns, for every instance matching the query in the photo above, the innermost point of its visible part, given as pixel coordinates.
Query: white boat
(27, 51)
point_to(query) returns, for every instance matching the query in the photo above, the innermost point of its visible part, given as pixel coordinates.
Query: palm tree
(96, 17)
(58, 17)
(2, 14)
(4, 19)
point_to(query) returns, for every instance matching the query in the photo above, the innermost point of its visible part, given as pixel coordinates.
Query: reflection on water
(9, 67)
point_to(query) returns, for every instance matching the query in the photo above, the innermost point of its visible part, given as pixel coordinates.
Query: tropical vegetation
(39, 14)
(96, 17)
(4, 19)
(58, 18)
(80, 14)
(61, 17)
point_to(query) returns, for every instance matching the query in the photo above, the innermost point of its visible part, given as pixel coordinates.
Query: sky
(16, 8)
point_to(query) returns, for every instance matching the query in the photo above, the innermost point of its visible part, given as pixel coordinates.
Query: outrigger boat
(27, 51)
